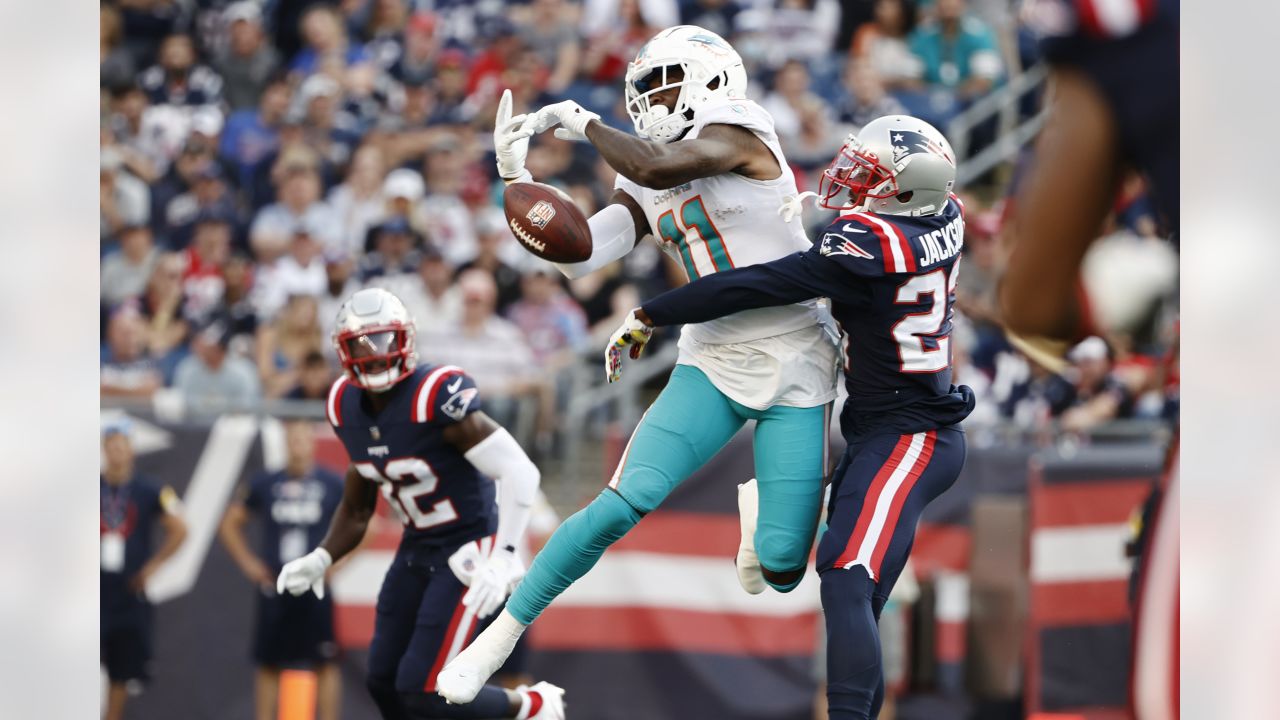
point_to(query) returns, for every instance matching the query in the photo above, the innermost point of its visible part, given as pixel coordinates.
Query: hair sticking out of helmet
(697, 64)
(374, 338)
(896, 165)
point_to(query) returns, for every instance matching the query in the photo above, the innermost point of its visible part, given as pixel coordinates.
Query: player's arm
(175, 532)
(346, 530)
(718, 149)
(1060, 211)
(231, 534)
(615, 231)
(493, 451)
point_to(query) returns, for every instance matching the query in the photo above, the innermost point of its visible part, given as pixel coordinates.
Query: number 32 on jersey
(406, 485)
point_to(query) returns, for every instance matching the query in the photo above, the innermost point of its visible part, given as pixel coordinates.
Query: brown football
(546, 222)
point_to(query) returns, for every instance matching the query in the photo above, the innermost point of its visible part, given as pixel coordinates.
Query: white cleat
(750, 575)
(460, 681)
(552, 702)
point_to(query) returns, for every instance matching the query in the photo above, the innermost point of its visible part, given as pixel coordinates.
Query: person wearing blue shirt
(294, 507)
(131, 507)
(960, 52)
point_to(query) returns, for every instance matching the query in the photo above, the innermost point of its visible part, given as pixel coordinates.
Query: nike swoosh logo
(453, 388)
(852, 228)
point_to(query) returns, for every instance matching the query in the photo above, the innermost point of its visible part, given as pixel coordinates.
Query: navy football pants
(879, 490)
(420, 625)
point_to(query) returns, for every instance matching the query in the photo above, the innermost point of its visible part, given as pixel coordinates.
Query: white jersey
(727, 221)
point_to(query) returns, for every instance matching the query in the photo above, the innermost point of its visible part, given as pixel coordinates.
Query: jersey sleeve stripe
(898, 256)
(959, 203)
(334, 406)
(425, 398)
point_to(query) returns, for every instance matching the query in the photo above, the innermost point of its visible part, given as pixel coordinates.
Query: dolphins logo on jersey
(908, 142)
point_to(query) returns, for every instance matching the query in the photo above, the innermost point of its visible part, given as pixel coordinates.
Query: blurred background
(261, 161)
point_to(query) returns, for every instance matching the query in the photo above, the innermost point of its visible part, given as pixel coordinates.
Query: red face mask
(848, 182)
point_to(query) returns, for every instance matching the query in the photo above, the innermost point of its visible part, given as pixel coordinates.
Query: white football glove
(465, 561)
(511, 142)
(633, 334)
(493, 579)
(569, 115)
(794, 207)
(305, 573)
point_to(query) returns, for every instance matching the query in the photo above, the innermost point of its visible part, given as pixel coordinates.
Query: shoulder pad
(744, 113)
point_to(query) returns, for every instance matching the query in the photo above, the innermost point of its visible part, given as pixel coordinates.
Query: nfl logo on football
(541, 213)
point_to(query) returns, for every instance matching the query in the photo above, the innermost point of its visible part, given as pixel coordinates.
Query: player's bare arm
(467, 434)
(231, 533)
(1060, 211)
(718, 149)
(359, 498)
(175, 532)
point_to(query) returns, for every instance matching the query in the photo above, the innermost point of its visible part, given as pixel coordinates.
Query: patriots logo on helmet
(908, 142)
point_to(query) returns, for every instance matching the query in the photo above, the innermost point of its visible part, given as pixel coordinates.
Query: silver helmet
(374, 337)
(895, 165)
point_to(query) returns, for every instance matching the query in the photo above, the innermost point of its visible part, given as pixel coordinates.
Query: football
(547, 222)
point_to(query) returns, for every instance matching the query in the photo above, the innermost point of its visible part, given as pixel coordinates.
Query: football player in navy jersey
(417, 435)
(888, 263)
(295, 505)
(132, 507)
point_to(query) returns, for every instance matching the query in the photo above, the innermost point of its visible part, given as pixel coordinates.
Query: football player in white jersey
(705, 177)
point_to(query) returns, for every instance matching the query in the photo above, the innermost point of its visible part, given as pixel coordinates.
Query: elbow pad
(613, 235)
(500, 457)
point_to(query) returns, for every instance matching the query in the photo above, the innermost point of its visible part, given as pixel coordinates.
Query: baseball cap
(403, 183)
(243, 10)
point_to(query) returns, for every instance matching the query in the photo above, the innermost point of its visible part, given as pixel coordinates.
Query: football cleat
(750, 574)
(548, 705)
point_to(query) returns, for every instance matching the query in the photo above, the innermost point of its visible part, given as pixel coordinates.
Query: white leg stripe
(885, 501)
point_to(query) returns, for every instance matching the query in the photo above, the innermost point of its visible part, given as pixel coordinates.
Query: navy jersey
(439, 496)
(127, 517)
(1129, 49)
(891, 281)
(295, 512)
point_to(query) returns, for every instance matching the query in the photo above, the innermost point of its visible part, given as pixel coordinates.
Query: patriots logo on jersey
(906, 143)
(837, 244)
(456, 406)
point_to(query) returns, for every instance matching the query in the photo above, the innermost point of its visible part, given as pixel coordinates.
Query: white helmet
(374, 336)
(896, 165)
(712, 70)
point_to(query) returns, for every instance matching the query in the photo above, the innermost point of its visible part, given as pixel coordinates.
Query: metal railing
(1012, 133)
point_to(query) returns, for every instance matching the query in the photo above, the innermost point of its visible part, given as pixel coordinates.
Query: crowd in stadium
(263, 160)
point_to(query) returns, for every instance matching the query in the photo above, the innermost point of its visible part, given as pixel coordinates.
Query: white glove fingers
(504, 108)
(318, 588)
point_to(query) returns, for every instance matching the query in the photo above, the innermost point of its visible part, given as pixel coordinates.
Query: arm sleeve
(613, 235)
(784, 281)
(500, 457)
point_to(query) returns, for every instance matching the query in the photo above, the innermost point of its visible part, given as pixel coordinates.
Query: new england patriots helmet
(895, 165)
(374, 337)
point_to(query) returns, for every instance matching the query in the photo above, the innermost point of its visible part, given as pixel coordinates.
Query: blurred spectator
(358, 203)
(298, 181)
(616, 30)
(433, 300)
(314, 378)
(327, 131)
(211, 378)
(417, 59)
(866, 99)
(448, 222)
(882, 44)
(140, 151)
(126, 271)
(395, 247)
(491, 349)
(402, 190)
(248, 62)
(805, 29)
(127, 368)
(252, 134)
(553, 324)
(816, 140)
(959, 52)
(385, 31)
(1093, 395)
(340, 283)
(123, 199)
(414, 129)
(116, 68)
(505, 50)
(208, 199)
(325, 36)
(714, 15)
(493, 237)
(196, 157)
(550, 34)
(451, 88)
(206, 256)
(164, 309)
(235, 308)
(284, 343)
(790, 95)
(300, 271)
(131, 506)
(177, 79)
